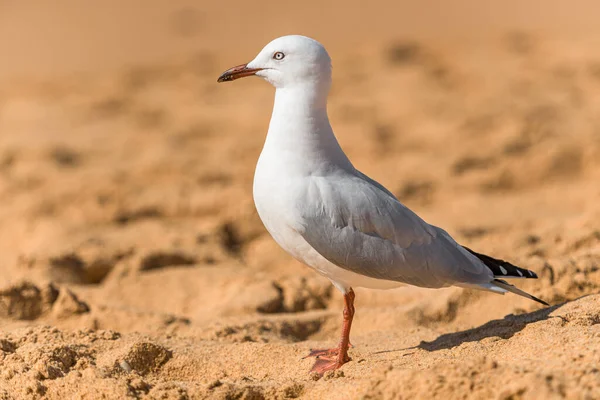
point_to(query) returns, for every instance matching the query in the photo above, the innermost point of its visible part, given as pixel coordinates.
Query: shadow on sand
(504, 328)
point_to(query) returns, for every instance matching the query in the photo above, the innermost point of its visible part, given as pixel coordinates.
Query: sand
(133, 263)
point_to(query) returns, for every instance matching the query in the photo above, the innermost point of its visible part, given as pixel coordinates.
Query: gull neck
(300, 127)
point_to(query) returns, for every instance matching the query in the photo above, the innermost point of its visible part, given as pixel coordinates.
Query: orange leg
(330, 359)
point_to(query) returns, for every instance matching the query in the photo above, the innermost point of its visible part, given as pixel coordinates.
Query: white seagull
(332, 217)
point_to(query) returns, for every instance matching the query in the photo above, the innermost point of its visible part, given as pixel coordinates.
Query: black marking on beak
(239, 71)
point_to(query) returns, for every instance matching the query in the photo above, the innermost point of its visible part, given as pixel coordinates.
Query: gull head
(286, 62)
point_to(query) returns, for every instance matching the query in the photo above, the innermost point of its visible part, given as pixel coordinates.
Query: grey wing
(358, 225)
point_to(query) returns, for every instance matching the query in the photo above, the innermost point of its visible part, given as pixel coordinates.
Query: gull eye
(278, 56)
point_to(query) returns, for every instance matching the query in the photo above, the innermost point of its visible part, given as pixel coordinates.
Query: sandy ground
(133, 264)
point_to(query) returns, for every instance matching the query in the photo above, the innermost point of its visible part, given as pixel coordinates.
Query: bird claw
(326, 360)
(323, 365)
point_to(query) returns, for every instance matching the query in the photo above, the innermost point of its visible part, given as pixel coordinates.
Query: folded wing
(358, 225)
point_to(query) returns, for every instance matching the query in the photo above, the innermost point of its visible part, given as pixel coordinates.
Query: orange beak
(237, 72)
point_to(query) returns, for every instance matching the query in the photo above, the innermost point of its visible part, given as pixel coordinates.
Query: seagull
(330, 216)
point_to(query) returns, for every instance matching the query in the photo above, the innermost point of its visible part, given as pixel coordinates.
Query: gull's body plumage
(353, 231)
(326, 213)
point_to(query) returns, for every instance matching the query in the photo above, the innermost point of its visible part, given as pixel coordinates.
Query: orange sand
(134, 264)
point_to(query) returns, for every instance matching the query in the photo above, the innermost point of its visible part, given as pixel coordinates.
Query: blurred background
(126, 191)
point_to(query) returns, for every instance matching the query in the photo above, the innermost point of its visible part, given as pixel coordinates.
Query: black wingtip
(501, 268)
(531, 273)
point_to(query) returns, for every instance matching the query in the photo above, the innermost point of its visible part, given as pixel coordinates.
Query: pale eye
(278, 56)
